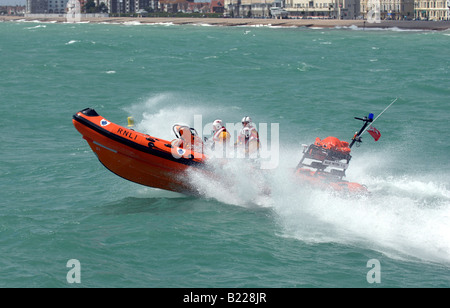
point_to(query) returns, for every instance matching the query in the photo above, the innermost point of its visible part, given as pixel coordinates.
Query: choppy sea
(59, 204)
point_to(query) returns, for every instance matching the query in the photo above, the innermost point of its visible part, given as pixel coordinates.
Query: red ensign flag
(375, 133)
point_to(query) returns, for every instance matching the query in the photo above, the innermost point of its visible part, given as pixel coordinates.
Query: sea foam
(405, 216)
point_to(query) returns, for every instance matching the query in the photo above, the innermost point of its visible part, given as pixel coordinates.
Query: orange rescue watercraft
(159, 163)
(325, 161)
(135, 156)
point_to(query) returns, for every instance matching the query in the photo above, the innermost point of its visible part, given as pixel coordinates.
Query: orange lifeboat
(135, 156)
(324, 164)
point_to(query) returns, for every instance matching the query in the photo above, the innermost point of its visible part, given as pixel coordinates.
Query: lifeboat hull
(135, 156)
(325, 181)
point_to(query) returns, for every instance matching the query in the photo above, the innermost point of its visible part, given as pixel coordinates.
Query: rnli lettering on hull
(127, 133)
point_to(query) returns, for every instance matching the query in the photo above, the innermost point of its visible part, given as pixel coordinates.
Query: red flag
(375, 133)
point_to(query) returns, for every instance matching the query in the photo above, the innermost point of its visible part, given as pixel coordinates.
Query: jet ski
(323, 163)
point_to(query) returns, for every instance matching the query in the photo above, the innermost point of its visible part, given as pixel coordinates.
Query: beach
(310, 23)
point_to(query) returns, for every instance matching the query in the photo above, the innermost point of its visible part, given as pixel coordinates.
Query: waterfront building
(57, 6)
(231, 8)
(37, 6)
(17, 10)
(255, 8)
(174, 6)
(216, 6)
(60, 6)
(48, 6)
(389, 9)
(189, 6)
(250, 8)
(336, 9)
(129, 6)
(432, 9)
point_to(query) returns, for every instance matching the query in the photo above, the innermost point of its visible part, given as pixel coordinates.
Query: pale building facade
(432, 9)
(389, 9)
(247, 8)
(336, 9)
(57, 6)
(37, 6)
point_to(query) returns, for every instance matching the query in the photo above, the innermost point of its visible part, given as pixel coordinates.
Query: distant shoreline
(310, 23)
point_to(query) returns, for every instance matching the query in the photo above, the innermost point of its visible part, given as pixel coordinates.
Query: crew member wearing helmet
(220, 133)
(248, 138)
(247, 121)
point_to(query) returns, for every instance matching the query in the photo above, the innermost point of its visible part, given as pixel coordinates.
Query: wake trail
(406, 215)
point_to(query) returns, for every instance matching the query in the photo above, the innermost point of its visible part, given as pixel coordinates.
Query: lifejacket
(221, 135)
(334, 144)
(250, 143)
